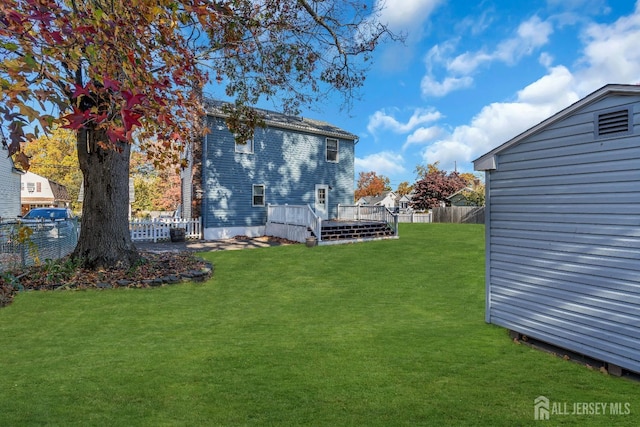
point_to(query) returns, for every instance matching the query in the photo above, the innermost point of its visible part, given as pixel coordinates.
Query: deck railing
(293, 222)
(369, 213)
(159, 228)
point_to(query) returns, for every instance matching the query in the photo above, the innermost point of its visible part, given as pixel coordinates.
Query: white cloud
(611, 54)
(534, 33)
(385, 163)
(430, 87)
(409, 18)
(384, 121)
(422, 136)
(545, 59)
(476, 24)
(406, 15)
(531, 35)
(468, 62)
(553, 90)
(498, 122)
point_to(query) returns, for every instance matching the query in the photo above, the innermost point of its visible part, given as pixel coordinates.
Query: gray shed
(563, 229)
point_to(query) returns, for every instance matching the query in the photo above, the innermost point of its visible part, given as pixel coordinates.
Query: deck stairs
(355, 230)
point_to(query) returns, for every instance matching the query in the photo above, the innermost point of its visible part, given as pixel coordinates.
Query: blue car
(57, 222)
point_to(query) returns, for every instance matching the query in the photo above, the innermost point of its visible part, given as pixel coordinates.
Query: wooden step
(355, 230)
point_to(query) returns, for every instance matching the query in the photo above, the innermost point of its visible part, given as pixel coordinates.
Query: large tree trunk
(105, 240)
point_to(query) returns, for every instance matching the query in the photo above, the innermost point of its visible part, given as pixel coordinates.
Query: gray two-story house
(291, 160)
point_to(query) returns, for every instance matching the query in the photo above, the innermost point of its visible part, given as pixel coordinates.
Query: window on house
(613, 122)
(322, 196)
(332, 150)
(38, 187)
(245, 148)
(258, 195)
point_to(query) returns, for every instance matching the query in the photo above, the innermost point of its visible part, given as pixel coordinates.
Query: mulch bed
(156, 269)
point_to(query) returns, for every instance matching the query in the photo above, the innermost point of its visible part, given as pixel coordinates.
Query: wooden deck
(357, 223)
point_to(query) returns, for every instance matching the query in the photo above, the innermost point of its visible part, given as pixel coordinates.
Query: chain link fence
(29, 243)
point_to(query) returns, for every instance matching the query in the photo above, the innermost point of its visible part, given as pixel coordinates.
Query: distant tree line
(431, 189)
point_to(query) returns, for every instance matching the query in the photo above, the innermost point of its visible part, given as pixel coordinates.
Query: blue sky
(472, 75)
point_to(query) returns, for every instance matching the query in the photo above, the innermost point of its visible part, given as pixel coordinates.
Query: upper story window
(257, 196)
(332, 150)
(245, 148)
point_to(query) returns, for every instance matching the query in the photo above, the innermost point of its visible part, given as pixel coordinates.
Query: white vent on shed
(613, 122)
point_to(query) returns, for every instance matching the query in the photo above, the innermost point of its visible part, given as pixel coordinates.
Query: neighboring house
(386, 199)
(404, 202)
(459, 198)
(38, 191)
(10, 188)
(563, 229)
(292, 160)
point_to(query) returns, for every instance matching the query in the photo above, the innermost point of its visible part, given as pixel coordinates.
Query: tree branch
(318, 19)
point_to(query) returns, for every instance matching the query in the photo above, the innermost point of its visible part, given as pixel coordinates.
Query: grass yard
(372, 334)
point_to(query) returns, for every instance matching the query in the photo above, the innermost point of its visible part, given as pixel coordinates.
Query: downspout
(487, 243)
(203, 180)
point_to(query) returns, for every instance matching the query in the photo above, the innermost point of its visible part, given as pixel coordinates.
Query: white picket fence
(413, 217)
(158, 229)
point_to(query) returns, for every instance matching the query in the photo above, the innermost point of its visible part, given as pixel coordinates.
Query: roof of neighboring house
(459, 192)
(372, 200)
(283, 121)
(488, 160)
(59, 192)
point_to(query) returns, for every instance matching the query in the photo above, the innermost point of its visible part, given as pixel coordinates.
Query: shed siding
(563, 240)
(10, 188)
(289, 164)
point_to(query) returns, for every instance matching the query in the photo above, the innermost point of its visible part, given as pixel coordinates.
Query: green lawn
(381, 333)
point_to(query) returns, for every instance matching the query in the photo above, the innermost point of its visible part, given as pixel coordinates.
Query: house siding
(10, 188)
(288, 163)
(563, 236)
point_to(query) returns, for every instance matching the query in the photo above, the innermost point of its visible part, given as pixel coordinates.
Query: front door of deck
(322, 201)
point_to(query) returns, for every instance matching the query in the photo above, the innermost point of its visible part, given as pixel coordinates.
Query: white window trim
(247, 148)
(326, 151)
(253, 195)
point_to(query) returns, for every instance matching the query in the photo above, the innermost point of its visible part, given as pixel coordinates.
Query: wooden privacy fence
(159, 229)
(459, 214)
